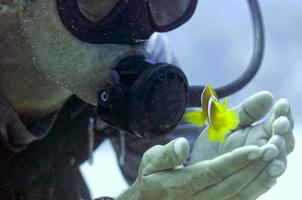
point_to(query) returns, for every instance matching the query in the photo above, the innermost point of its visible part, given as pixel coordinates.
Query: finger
(19, 135)
(235, 183)
(256, 135)
(4, 140)
(266, 180)
(194, 178)
(159, 158)
(279, 142)
(281, 108)
(282, 127)
(254, 108)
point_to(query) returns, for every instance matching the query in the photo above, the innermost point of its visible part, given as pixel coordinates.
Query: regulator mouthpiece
(146, 99)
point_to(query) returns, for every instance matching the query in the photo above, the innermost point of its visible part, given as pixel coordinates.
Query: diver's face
(80, 67)
(64, 60)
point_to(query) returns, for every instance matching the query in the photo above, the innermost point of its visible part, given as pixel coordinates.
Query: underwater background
(215, 47)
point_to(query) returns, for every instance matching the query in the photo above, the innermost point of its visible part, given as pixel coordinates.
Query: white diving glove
(162, 176)
(243, 167)
(277, 131)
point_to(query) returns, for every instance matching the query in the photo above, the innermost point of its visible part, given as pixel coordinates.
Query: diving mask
(127, 21)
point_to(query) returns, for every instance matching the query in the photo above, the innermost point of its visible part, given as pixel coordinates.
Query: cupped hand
(162, 175)
(277, 130)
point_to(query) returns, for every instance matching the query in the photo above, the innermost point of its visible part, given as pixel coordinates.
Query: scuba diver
(71, 67)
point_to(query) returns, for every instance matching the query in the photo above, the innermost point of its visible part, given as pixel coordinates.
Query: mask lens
(169, 14)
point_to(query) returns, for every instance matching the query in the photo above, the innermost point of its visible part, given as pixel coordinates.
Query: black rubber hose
(252, 69)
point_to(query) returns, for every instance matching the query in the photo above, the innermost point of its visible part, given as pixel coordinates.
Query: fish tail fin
(197, 118)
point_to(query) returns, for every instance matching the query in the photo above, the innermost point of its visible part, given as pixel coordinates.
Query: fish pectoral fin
(197, 118)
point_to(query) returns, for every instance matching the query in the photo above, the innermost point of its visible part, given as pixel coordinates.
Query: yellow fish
(220, 119)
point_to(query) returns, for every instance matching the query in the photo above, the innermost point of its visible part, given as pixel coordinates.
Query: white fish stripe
(202, 94)
(210, 101)
(215, 98)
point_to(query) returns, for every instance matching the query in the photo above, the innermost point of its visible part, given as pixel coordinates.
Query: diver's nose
(96, 10)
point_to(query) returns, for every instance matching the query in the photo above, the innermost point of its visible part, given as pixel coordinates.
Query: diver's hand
(276, 130)
(162, 176)
(13, 134)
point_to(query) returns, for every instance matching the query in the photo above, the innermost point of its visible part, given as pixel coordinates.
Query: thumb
(159, 158)
(254, 108)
